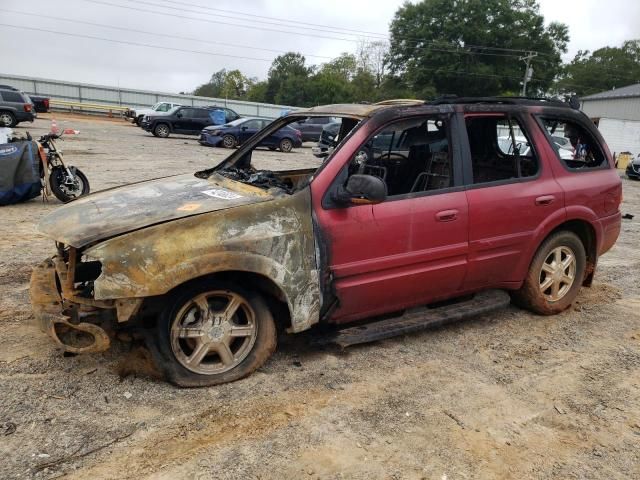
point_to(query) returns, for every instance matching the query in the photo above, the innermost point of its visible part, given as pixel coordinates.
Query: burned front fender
(273, 239)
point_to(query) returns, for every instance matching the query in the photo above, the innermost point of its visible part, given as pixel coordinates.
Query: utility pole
(528, 72)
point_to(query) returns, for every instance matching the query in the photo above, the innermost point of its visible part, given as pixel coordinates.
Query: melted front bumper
(59, 318)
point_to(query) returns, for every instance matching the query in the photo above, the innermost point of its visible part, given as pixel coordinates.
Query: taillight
(46, 103)
(27, 107)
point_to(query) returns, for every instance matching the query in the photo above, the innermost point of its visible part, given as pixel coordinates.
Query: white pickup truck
(136, 114)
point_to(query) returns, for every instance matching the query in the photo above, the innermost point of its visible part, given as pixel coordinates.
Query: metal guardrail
(93, 107)
(85, 94)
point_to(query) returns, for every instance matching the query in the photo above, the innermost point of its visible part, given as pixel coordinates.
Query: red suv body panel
(399, 253)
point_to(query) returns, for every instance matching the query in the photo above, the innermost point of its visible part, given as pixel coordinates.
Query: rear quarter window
(14, 97)
(576, 148)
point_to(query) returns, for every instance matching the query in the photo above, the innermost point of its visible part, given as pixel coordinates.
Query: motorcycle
(67, 183)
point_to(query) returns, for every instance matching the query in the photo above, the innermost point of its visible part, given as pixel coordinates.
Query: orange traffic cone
(54, 126)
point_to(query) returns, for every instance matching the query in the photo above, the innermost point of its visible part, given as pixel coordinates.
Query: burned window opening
(266, 179)
(241, 169)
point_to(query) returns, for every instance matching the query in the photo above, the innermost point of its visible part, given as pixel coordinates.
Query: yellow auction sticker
(189, 207)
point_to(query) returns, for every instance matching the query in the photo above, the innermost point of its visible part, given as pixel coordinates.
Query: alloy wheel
(558, 273)
(5, 119)
(228, 141)
(286, 145)
(214, 332)
(162, 131)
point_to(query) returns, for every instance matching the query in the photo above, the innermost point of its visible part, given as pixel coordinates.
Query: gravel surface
(510, 395)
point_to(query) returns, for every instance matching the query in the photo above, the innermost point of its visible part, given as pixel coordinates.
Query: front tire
(161, 130)
(212, 333)
(555, 275)
(64, 190)
(229, 141)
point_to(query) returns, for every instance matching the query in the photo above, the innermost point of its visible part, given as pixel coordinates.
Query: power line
(328, 29)
(125, 42)
(286, 21)
(274, 18)
(126, 29)
(459, 51)
(254, 27)
(251, 27)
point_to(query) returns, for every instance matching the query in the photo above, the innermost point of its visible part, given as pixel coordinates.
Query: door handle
(545, 200)
(447, 215)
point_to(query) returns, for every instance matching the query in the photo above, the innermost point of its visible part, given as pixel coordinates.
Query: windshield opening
(281, 154)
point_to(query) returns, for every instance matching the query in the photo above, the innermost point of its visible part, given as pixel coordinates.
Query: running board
(420, 318)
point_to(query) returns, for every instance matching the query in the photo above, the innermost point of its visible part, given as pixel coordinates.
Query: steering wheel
(392, 156)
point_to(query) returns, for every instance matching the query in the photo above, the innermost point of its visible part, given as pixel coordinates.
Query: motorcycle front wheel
(66, 189)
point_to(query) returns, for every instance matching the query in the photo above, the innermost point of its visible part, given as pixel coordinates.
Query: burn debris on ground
(260, 178)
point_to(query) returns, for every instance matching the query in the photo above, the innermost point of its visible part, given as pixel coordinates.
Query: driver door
(249, 129)
(411, 248)
(184, 120)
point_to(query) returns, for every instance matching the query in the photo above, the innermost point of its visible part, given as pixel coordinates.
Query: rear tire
(7, 119)
(286, 145)
(212, 333)
(555, 275)
(66, 192)
(161, 130)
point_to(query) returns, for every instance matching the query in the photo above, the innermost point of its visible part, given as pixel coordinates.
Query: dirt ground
(511, 395)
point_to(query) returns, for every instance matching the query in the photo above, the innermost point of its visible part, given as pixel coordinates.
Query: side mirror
(244, 128)
(362, 190)
(179, 115)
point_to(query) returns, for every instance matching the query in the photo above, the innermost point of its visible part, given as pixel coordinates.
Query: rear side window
(12, 97)
(575, 146)
(231, 115)
(202, 113)
(500, 149)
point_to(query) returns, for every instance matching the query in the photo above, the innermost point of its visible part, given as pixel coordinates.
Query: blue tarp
(19, 172)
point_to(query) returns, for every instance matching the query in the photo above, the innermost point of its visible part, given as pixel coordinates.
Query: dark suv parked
(187, 120)
(15, 107)
(311, 127)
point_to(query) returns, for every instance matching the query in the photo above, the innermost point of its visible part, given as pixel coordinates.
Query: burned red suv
(449, 204)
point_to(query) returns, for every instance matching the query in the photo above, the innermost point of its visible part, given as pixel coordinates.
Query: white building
(617, 114)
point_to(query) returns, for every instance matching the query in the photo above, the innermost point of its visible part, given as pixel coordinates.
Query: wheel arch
(162, 122)
(274, 295)
(587, 235)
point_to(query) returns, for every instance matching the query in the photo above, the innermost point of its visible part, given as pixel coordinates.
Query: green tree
(440, 46)
(331, 83)
(287, 80)
(604, 69)
(257, 92)
(213, 88)
(235, 85)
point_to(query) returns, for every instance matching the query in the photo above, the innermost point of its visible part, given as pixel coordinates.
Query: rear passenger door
(203, 118)
(511, 192)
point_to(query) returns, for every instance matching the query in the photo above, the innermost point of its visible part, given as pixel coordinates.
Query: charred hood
(124, 209)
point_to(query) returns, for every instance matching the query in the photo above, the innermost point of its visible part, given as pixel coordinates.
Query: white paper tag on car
(224, 194)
